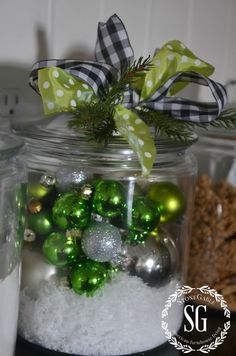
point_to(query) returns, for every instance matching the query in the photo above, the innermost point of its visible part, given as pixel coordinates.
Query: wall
(35, 29)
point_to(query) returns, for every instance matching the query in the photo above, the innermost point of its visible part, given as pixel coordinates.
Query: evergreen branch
(166, 125)
(226, 120)
(183, 130)
(114, 93)
(138, 68)
(97, 120)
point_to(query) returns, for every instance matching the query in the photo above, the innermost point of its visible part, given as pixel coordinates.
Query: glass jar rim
(9, 145)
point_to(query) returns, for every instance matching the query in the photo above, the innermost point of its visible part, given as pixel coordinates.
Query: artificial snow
(124, 317)
(9, 303)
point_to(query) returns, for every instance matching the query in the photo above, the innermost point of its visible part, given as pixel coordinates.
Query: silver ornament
(47, 181)
(36, 269)
(101, 241)
(69, 178)
(29, 235)
(154, 261)
(99, 218)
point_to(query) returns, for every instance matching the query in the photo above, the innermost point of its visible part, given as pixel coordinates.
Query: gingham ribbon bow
(65, 84)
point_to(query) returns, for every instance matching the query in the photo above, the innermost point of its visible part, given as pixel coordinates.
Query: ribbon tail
(136, 132)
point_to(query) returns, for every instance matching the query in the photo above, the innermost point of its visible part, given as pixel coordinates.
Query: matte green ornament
(169, 200)
(89, 276)
(38, 191)
(143, 215)
(61, 250)
(71, 211)
(109, 198)
(40, 223)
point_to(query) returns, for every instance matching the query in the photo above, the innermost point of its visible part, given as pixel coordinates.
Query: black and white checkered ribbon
(180, 108)
(114, 54)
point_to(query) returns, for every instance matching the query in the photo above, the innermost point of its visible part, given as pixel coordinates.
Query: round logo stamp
(198, 333)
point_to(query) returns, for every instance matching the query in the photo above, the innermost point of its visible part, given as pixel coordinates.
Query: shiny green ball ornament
(61, 250)
(71, 211)
(169, 200)
(88, 276)
(40, 223)
(109, 198)
(143, 215)
(136, 237)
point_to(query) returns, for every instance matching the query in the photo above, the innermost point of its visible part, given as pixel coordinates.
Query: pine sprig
(97, 118)
(97, 121)
(169, 126)
(226, 120)
(127, 78)
(183, 130)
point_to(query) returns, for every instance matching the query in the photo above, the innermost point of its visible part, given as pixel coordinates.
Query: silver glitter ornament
(47, 181)
(101, 241)
(69, 178)
(154, 261)
(36, 269)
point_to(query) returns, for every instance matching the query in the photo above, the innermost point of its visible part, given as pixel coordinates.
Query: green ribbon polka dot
(61, 91)
(172, 58)
(136, 132)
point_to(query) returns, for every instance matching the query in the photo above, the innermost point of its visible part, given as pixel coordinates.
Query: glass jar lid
(9, 145)
(56, 132)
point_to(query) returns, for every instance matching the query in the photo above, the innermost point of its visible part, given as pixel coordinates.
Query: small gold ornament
(86, 191)
(74, 233)
(29, 235)
(47, 181)
(35, 206)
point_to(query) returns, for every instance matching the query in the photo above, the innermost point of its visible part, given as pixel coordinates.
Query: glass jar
(104, 247)
(12, 214)
(213, 245)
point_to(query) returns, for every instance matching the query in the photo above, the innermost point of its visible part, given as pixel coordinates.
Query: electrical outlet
(10, 102)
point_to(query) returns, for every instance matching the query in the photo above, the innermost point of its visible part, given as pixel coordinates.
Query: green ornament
(40, 223)
(38, 191)
(136, 237)
(89, 276)
(143, 215)
(169, 200)
(109, 198)
(61, 250)
(71, 211)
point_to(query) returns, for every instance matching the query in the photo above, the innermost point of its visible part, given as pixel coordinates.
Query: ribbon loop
(186, 109)
(113, 46)
(97, 75)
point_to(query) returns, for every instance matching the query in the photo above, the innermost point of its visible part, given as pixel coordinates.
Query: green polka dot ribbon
(172, 58)
(62, 92)
(66, 85)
